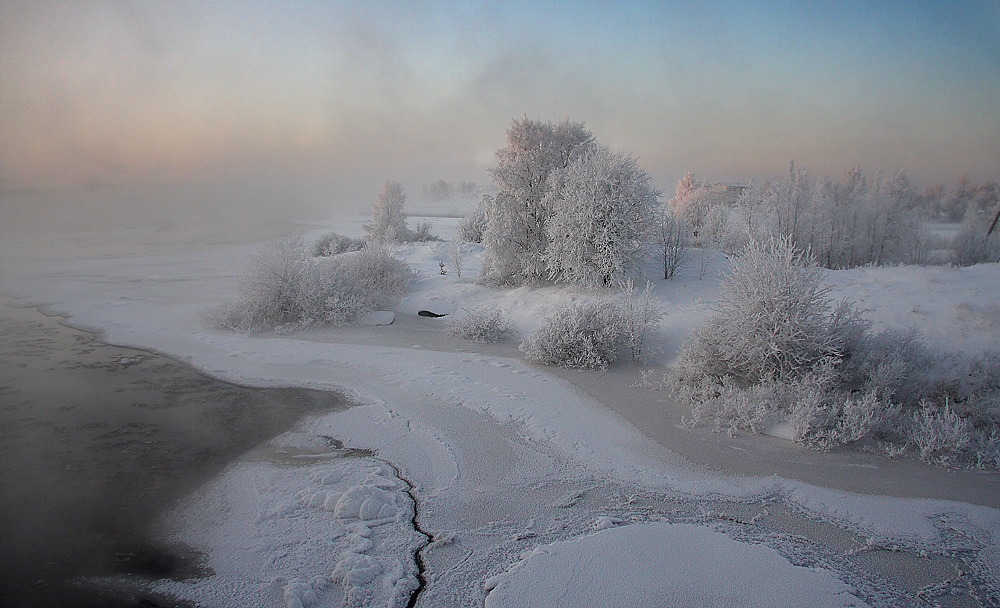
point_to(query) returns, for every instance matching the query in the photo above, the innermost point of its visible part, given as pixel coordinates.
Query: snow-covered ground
(474, 477)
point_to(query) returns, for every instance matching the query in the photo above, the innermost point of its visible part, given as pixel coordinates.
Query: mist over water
(95, 441)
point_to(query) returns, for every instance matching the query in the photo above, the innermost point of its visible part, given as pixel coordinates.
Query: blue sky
(327, 99)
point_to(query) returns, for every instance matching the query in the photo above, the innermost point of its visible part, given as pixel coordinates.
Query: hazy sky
(325, 100)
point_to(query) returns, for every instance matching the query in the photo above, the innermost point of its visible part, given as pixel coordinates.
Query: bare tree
(671, 238)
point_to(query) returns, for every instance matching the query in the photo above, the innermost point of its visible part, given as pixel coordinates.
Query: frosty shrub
(285, 288)
(893, 364)
(470, 227)
(483, 324)
(640, 315)
(421, 234)
(777, 348)
(578, 335)
(269, 290)
(456, 255)
(778, 351)
(590, 335)
(334, 244)
(774, 320)
(941, 436)
(972, 245)
(375, 274)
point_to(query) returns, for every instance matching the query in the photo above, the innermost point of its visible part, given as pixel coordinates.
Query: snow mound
(300, 593)
(346, 537)
(367, 503)
(670, 565)
(356, 569)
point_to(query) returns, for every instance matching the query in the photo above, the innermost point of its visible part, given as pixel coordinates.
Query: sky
(268, 102)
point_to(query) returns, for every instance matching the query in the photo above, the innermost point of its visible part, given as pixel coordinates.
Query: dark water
(95, 442)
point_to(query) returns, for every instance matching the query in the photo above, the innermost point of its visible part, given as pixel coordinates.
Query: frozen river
(473, 478)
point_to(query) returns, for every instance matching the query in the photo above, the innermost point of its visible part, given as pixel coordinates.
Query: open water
(95, 442)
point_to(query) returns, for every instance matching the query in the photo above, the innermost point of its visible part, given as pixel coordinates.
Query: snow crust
(503, 457)
(344, 536)
(672, 566)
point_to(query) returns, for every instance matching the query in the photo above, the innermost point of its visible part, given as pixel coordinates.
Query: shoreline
(658, 418)
(270, 359)
(653, 414)
(98, 441)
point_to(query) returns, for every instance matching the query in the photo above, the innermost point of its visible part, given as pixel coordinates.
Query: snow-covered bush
(601, 207)
(940, 435)
(483, 324)
(590, 335)
(376, 274)
(284, 287)
(421, 234)
(972, 245)
(640, 315)
(778, 351)
(773, 321)
(820, 415)
(388, 223)
(585, 335)
(969, 388)
(670, 237)
(334, 244)
(776, 348)
(471, 227)
(456, 255)
(269, 290)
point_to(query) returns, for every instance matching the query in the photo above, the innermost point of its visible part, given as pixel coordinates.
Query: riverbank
(97, 441)
(500, 458)
(660, 418)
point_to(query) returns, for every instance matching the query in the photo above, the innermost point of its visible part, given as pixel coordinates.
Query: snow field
(504, 458)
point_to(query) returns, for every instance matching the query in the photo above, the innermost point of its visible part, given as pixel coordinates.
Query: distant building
(728, 193)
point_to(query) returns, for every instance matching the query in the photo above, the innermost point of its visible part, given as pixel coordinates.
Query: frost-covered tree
(515, 240)
(692, 201)
(602, 207)
(388, 223)
(640, 316)
(845, 223)
(670, 236)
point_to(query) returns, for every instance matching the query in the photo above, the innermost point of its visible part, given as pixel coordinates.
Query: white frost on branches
(514, 239)
(602, 206)
(589, 335)
(388, 224)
